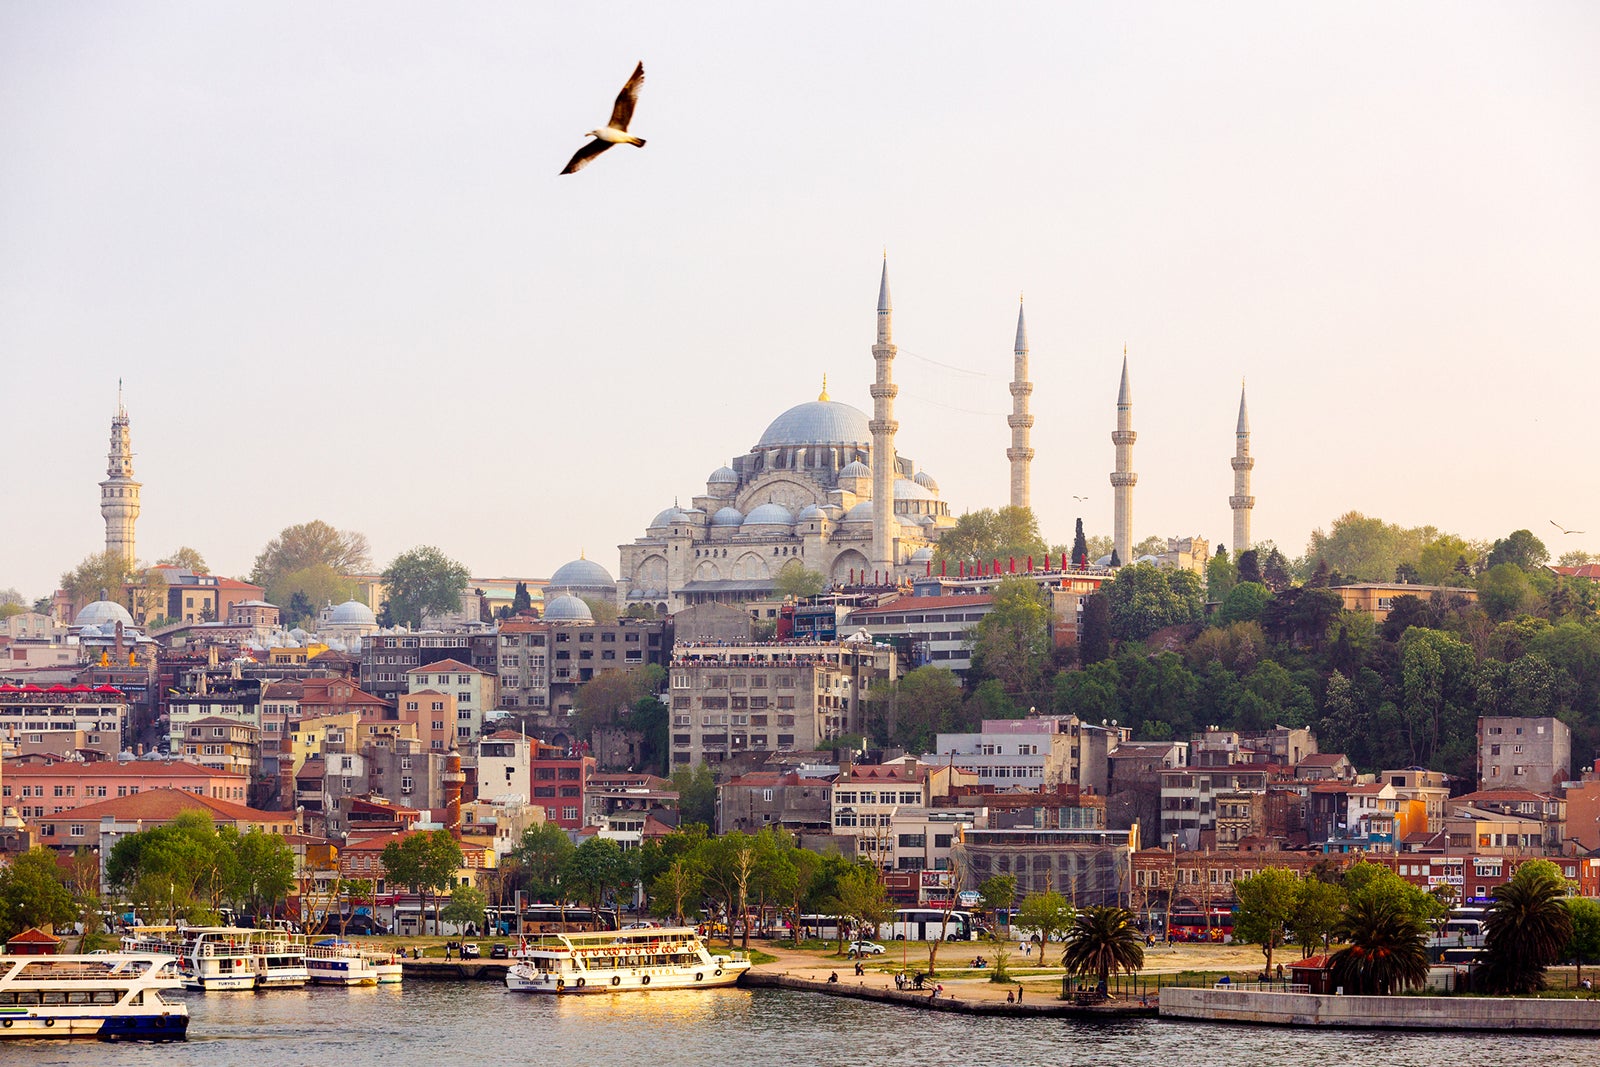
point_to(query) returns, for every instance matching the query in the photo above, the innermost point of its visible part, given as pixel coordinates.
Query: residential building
(63, 719)
(1188, 798)
(542, 663)
(432, 715)
(632, 793)
(473, 690)
(559, 779)
(43, 788)
(928, 631)
(1517, 820)
(386, 658)
(505, 766)
(867, 796)
(788, 800)
(1523, 753)
(1035, 752)
(1133, 781)
(1377, 598)
(224, 744)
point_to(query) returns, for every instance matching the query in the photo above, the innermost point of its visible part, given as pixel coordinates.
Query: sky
(327, 250)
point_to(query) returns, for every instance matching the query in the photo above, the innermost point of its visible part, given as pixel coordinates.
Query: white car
(866, 948)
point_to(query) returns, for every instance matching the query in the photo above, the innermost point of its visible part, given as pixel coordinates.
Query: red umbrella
(107, 689)
(31, 688)
(80, 689)
(58, 688)
(8, 688)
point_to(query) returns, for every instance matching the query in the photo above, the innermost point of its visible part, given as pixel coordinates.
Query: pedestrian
(859, 971)
(1011, 997)
(1019, 992)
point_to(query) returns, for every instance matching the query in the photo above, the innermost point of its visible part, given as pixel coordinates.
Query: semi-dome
(102, 612)
(769, 515)
(567, 608)
(723, 476)
(668, 517)
(925, 480)
(855, 469)
(927, 520)
(581, 574)
(922, 554)
(906, 489)
(862, 512)
(727, 517)
(818, 422)
(352, 613)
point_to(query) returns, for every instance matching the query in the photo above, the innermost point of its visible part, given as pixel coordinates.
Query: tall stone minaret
(1123, 479)
(1243, 462)
(1020, 454)
(883, 428)
(119, 493)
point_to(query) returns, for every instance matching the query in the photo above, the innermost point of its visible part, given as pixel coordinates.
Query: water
(478, 1024)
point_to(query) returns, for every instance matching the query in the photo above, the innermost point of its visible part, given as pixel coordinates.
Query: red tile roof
(161, 805)
(1321, 759)
(447, 665)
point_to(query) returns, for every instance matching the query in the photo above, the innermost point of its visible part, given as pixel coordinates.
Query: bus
(1192, 925)
(550, 919)
(924, 924)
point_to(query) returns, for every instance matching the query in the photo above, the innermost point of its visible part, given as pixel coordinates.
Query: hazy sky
(327, 248)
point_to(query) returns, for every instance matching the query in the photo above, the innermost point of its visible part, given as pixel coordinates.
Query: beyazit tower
(1241, 501)
(1123, 479)
(1020, 453)
(119, 493)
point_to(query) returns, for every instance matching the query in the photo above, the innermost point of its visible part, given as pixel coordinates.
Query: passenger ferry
(622, 961)
(111, 996)
(221, 958)
(335, 962)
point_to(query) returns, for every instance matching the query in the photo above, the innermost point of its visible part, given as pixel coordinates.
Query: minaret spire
(119, 493)
(1020, 453)
(1123, 478)
(883, 429)
(1241, 501)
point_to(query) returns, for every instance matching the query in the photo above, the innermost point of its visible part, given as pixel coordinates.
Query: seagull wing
(622, 110)
(1558, 526)
(581, 158)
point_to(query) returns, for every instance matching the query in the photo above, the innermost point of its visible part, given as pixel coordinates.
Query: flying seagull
(1075, 496)
(1563, 529)
(615, 131)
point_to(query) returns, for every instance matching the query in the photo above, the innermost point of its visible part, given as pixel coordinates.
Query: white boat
(335, 962)
(222, 958)
(622, 961)
(387, 966)
(280, 959)
(111, 996)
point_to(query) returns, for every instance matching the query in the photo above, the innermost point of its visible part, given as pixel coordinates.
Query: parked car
(469, 951)
(866, 948)
(500, 951)
(359, 925)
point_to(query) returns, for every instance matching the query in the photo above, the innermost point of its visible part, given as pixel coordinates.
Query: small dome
(581, 574)
(925, 480)
(855, 469)
(723, 476)
(101, 613)
(727, 517)
(567, 608)
(352, 613)
(811, 513)
(862, 512)
(769, 515)
(906, 489)
(922, 554)
(819, 422)
(668, 517)
(927, 520)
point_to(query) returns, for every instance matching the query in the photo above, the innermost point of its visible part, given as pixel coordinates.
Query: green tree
(1243, 603)
(1080, 546)
(998, 892)
(862, 899)
(1221, 575)
(676, 890)
(925, 702)
(309, 544)
(603, 699)
(651, 719)
(730, 866)
(1091, 694)
(797, 580)
(1437, 716)
(1046, 914)
(306, 589)
(32, 894)
(103, 574)
(1268, 901)
(263, 871)
(1505, 591)
(596, 868)
(1520, 549)
(186, 558)
(466, 906)
(1102, 940)
(1388, 949)
(1094, 635)
(1319, 915)
(425, 862)
(697, 794)
(1012, 642)
(543, 853)
(1441, 561)
(603, 610)
(521, 600)
(1366, 549)
(1584, 944)
(424, 581)
(980, 537)
(1143, 599)
(1527, 928)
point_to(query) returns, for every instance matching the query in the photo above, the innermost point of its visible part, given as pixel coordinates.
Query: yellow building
(1377, 598)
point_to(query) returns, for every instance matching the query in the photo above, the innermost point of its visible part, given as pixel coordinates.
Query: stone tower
(1020, 454)
(1243, 462)
(119, 493)
(883, 428)
(1123, 479)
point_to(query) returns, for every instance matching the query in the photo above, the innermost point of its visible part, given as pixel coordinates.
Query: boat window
(104, 996)
(28, 997)
(78, 997)
(137, 998)
(54, 998)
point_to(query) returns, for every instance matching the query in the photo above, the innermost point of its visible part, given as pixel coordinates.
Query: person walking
(1019, 992)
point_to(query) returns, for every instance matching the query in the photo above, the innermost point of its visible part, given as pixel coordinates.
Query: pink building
(38, 789)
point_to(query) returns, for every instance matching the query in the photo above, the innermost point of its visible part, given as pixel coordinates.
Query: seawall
(951, 1001)
(455, 970)
(1381, 1013)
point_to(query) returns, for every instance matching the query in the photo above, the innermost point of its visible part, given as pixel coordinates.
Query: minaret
(1020, 454)
(883, 428)
(1123, 479)
(1243, 462)
(119, 493)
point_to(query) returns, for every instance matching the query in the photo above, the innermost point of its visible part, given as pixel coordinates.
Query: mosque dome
(727, 517)
(581, 574)
(906, 489)
(922, 554)
(352, 613)
(927, 520)
(818, 422)
(567, 608)
(723, 476)
(855, 469)
(862, 512)
(101, 613)
(811, 513)
(669, 516)
(769, 515)
(925, 480)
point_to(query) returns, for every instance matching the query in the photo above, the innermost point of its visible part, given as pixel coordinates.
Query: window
(406, 784)
(75, 829)
(569, 813)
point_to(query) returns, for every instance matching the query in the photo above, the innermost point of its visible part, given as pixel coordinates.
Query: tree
(1268, 901)
(1102, 940)
(32, 894)
(1243, 603)
(603, 610)
(998, 892)
(925, 702)
(1505, 591)
(1366, 549)
(1388, 950)
(1221, 576)
(309, 544)
(521, 600)
(861, 898)
(1440, 561)
(186, 558)
(676, 889)
(423, 581)
(1275, 571)
(543, 853)
(424, 862)
(103, 574)
(1046, 914)
(1527, 928)
(697, 794)
(1249, 567)
(1519, 548)
(1143, 599)
(1080, 546)
(1319, 914)
(596, 868)
(980, 537)
(1012, 641)
(1584, 944)
(466, 906)
(263, 871)
(730, 863)
(798, 581)
(1094, 636)
(602, 699)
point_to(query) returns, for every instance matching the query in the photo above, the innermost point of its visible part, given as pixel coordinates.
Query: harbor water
(479, 1024)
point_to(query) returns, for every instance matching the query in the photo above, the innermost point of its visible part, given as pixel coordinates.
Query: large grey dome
(102, 612)
(818, 422)
(769, 515)
(352, 613)
(925, 480)
(862, 512)
(567, 608)
(723, 476)
(811, 513)
(727, 517)
(906, 489)
(668, 517)
(581, 574)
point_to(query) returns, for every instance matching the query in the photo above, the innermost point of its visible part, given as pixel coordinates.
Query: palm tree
(1388, 949)
(1101, 940)
(1527, 929)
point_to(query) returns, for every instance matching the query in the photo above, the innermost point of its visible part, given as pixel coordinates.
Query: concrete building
(505, 766)
(542, 662)
(789, 800)
(559, 780)
(1036, 752)
(1523, 753)
(474, 693)
(224, 744)
(62, 720)
(928, 631)
(1188, 799)
(1377, 598)
(386, 657)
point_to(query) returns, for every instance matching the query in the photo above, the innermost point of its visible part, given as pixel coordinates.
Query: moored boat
(335, 962)
(111, 996)
(622, 961)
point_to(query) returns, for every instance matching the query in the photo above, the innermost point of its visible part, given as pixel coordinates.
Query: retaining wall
(1392, 1013)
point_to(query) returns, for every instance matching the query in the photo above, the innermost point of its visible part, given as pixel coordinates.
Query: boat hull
(65, 1023)
(634, 981)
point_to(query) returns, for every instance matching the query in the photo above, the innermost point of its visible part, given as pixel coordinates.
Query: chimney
(452, 779)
